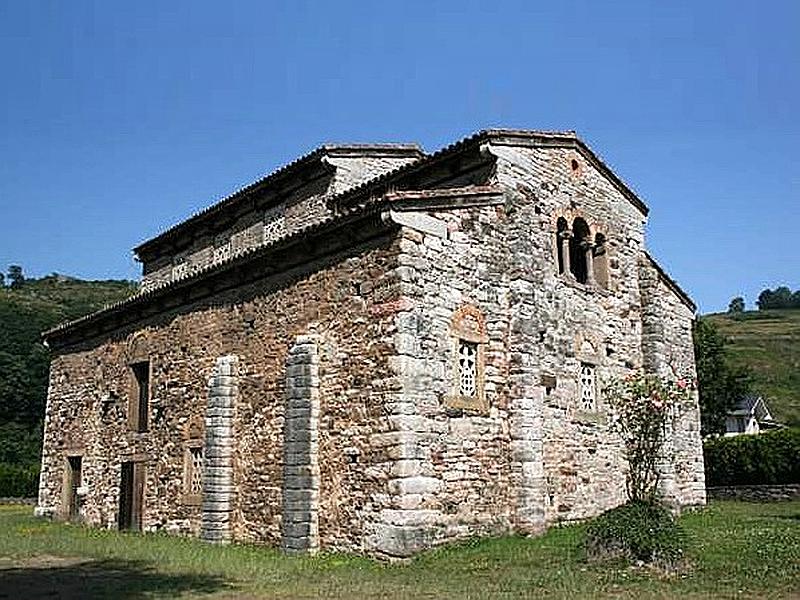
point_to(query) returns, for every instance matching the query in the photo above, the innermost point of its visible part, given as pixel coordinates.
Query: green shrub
(19, 481)
(644, 531)
(768, 458)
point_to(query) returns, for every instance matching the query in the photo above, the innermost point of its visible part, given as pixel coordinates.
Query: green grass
(768, 341)
(736, 550)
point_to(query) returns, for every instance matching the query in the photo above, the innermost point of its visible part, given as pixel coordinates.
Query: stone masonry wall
(534, 455)
(567, 462)
(669, 350)
(396, 458)
(452, 478)
(90, 388)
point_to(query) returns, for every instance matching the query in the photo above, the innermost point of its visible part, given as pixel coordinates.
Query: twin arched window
(580, 255)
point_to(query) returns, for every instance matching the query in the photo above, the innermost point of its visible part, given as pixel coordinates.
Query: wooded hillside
(28, 307)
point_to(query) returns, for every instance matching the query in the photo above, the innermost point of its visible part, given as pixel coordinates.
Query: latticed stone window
(588, 387)
(194, 477)
(274, 224)
(469, 339)
(222, 249)
(468, 368)
(180, 267)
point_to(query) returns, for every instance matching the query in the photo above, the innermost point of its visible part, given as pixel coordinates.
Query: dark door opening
(75, 476)
(131, 493)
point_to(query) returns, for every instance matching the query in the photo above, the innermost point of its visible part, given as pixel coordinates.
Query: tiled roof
(499, 136)
(346, 209)
(306, 159)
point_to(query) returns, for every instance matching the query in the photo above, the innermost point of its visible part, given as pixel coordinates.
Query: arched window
(600, 260)
(579, 247)
(562, 233)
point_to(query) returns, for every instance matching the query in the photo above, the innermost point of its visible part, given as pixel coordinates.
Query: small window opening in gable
(274, 223)
(588, 387)
(140, 401)
(600, 261)
(575, 165)
(562, 243)
(580, 248)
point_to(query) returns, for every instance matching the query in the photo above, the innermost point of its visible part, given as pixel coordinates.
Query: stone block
(399, 541)
(414, 485)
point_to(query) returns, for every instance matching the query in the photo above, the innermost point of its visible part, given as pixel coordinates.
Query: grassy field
(737, 550)
(768, 341)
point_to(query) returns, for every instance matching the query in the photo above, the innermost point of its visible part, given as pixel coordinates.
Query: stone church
(378, 350)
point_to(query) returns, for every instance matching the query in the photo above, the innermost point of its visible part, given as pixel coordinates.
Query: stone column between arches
(301, 477)
(218, 488)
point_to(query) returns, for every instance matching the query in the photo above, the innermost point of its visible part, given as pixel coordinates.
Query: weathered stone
(403, 375)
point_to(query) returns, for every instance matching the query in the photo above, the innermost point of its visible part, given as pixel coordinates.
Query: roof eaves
(236, 259)
(566, 138)
(231, 198)
(367, 188)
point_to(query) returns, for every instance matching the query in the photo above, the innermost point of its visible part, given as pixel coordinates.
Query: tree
(2, 280)
(15, 275)
(780, 297)
(720, 384)
(736, 305)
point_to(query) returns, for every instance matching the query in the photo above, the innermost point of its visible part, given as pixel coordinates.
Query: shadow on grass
(94, 579)
(792, 517)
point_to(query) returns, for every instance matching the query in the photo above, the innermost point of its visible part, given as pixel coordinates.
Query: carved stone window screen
(194, 477)
(274, 223)
(468, 368)
(180, 267)
(588, 387)
(469, 339)
(222, 249)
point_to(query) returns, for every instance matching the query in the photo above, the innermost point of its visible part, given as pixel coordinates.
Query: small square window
(588, 387)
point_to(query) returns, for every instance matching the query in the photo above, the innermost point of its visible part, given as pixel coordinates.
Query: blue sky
(118, 119)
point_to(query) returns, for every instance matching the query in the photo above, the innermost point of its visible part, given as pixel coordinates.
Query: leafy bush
(642, 405)
(768, 458)
(644, 531)
(18, 481)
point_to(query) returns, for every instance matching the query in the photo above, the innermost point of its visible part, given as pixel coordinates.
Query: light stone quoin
(300, 459)
(218, 490)
(377, 350)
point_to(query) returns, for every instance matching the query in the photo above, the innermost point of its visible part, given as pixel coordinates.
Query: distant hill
(767, 341)
(27, 309)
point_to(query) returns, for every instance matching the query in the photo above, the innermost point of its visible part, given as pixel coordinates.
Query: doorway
(131, 493)
(74, 481)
